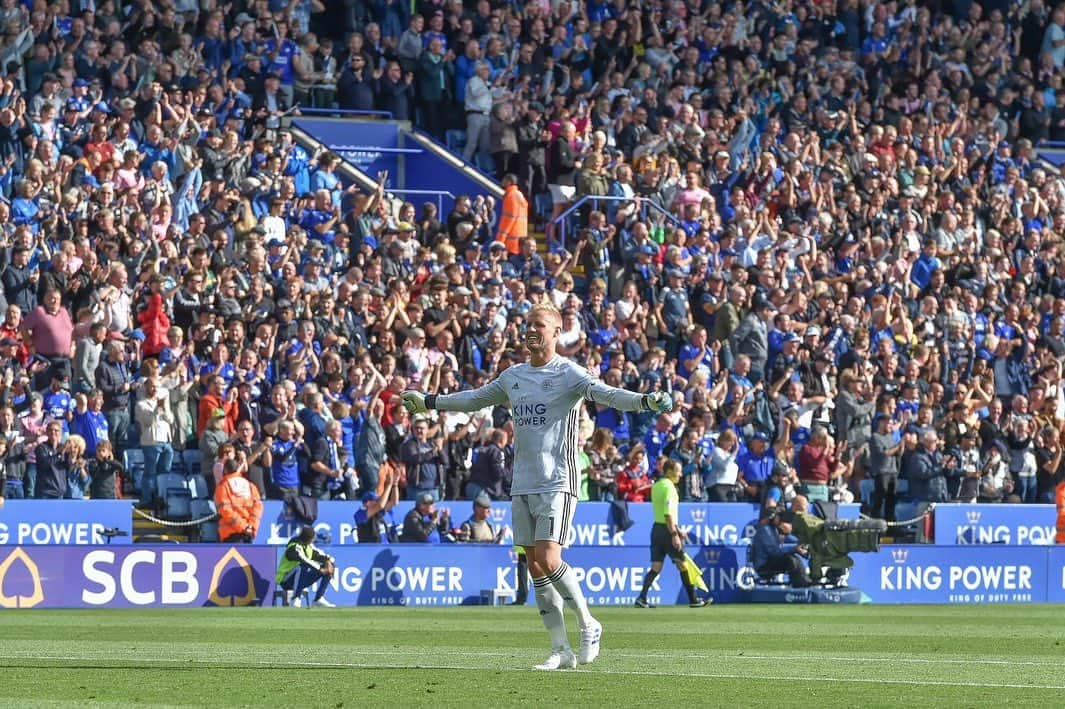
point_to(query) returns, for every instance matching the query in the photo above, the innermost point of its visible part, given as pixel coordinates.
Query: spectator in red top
(395, 387)
(154, 321)
(12, 327)
(633, 483)
(818, 464)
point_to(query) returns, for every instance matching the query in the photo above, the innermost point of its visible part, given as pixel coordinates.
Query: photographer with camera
(773, 551)
(302, 565)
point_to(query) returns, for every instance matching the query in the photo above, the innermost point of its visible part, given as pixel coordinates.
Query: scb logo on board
(134, 576)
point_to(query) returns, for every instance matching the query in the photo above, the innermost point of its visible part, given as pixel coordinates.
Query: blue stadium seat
(209, 532)
(133, 464)
(178, 502)
(168, 481)
(866, 487)
(190, 458)
(199, 510)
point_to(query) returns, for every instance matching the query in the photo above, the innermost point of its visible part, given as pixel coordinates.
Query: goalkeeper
(302, 565)
(666, 538)
(545, 395)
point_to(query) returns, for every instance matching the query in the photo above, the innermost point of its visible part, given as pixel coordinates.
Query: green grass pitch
(735, 656)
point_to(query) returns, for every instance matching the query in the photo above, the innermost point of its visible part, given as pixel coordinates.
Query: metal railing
(487, 181)
(311, 111)
(561, 222)
(439, 194)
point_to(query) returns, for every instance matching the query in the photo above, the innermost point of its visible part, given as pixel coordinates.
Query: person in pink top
(31, 425)
(692, 192)
(49, 330)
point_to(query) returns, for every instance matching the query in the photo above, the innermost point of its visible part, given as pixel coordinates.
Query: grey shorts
(542, 517)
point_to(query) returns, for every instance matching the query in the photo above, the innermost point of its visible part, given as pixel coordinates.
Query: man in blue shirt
(89, 421)
(695, 354)
(756, 465)
(926, 263)
(657, 439)
(285, 468)
(58, 405)
(321, 220)
(280, 52)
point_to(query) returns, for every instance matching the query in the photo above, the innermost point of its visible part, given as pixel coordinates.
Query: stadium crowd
(826, 232)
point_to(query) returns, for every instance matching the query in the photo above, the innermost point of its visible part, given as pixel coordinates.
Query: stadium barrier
(594, 523)
(425, 575)
(44, 522)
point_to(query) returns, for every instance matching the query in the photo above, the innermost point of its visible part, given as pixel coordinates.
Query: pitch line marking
(633, 673)
(686, 655)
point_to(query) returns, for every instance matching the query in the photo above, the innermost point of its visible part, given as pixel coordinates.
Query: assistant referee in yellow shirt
(666, 538)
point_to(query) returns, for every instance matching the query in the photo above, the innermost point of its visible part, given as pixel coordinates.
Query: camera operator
(779, 492)
(773, 553)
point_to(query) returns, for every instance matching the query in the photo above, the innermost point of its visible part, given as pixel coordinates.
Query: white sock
(565, 582)
(549, 602)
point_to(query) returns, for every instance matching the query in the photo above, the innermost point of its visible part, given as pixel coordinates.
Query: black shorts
(662, 545)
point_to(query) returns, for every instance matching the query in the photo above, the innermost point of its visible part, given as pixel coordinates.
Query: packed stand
(825, 231)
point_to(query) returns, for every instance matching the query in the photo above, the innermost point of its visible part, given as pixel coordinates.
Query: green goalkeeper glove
(660, 402)
(414, 402)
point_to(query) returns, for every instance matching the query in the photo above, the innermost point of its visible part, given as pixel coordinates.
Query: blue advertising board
(1056, 575)
(957, 574)
(457, 574)
(40, 522)
(119, 576)
(995, 524)
(594, 523)
(366, 144)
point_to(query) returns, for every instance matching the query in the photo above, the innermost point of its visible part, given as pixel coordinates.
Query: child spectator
(104, 472)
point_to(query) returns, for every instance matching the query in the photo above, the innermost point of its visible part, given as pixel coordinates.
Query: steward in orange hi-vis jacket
(514, 221)
(240, 509)
(1059, 500)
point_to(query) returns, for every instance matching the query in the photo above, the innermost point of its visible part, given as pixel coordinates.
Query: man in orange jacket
(514, 221)
(240, 509)
(1059, 500)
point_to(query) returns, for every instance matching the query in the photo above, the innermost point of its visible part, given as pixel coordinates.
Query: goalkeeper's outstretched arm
(625, 400)
(491, 394)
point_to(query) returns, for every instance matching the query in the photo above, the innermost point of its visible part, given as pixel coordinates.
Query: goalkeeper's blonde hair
(547, 309)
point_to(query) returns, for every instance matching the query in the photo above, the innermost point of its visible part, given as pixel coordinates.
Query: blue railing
(310, 111)
(439, 194)
(561, 222)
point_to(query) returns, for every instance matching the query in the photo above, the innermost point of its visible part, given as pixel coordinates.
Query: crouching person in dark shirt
(303, 565)
(771, 555)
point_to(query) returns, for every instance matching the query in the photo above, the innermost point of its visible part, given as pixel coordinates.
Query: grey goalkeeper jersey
(545, 403)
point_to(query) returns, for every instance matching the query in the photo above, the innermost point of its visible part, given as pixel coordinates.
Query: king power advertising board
(80, 522)
(447, 575)
(995, 524)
